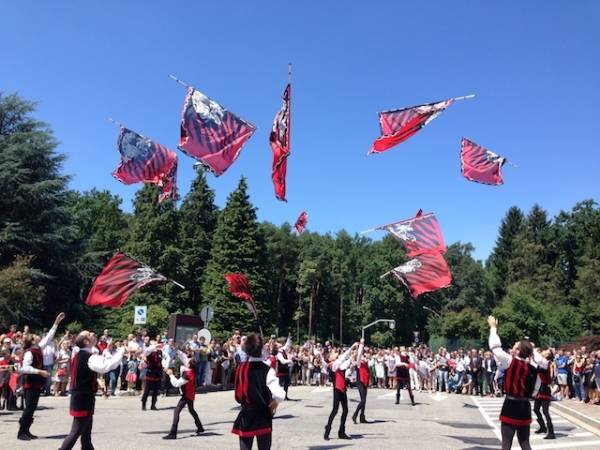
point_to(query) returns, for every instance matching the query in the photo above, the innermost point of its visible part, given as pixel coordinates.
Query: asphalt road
(437, 422)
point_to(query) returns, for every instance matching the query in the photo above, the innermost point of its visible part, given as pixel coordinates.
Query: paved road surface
(437, 422)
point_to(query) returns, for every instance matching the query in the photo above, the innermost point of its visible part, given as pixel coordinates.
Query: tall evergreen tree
(34, 219)
(198, 218)
(238, 246)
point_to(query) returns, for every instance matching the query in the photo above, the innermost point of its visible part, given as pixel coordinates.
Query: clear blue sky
(535, 67)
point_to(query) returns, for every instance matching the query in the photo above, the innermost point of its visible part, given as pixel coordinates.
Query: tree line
(542, 279)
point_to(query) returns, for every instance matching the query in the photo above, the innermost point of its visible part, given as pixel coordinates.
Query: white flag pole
(177, 80)
(386, 274)
(464, 97)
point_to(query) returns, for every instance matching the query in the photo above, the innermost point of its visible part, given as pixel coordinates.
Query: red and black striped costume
(153, 377)
(83, 386)
(402, 373)
(253, 394)
(544, 393)
(519, 385)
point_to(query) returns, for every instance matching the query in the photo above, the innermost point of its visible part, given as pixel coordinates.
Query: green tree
(238, 247)
(21, 293)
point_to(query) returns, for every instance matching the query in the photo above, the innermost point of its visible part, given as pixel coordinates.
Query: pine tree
(238, 247)
(198, 218)
(34, 219)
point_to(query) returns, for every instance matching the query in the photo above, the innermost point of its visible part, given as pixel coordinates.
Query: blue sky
(534, 66)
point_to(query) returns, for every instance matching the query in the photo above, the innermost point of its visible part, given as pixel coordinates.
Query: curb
(588, 423)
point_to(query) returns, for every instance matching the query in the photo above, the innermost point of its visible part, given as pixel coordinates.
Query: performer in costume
(403, 375)
(544, 396)
(154, 371)
(284, 365)
(521, 383)
(85, 367)
(339, 364)
(187, 383)
(34, 377)
(362, 362)
(257, 389)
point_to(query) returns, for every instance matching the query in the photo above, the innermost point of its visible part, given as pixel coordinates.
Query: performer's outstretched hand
(59, 318)
(273, 406)
(492, 322)
(169, 371)
(362, 341)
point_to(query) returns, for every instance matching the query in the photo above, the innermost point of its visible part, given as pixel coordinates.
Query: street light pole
(391, 322)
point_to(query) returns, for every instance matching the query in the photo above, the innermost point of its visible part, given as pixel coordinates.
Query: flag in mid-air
(280, 144)
(119, 278)
(240, 287)
(210, 133)
(399, 124)
(425, 273)
(479, 164)
(301, 222)
(146, 161)
(420, 234)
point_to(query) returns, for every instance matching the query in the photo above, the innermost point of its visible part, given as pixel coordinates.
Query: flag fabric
(425, 273)
(119, 278)
(210, 133)
(301, 222)
(419, 235)
(399, 124)
(146, 161)
(240, 287)
(280, 144)
(479, 164)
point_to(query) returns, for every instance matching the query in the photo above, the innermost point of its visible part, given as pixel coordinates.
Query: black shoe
(170, 436)
(343, 435)
(363, 420)
(541, 431)
(200, 430)
(143, 407)
(154, 408)
(23, 437)
(354, 420)
(413, 403)
(326, 435)
(550, 436)
(31, 436)
(397, 402)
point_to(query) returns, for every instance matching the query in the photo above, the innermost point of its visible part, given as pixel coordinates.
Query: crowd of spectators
(575, 374)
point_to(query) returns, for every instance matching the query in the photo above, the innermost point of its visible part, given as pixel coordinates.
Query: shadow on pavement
(56, 436)
(327, 447)
(219, 423)
(467, 405)
(285, 416)
(481, 441)
(314, 406)
(464, 425)
(381, 421)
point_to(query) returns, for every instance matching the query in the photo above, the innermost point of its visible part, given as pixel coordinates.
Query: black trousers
(284, 382)
(405, 384)
(508, 434)
(339, 397)
(545, 406)
(32, 397)
(263, 442)
(151, 387)
(82, 426)
(183, 402)
(360, 409)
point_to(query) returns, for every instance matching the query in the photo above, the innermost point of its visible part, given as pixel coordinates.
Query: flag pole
(119, 124)
(380, 227)
(177, 80)
(289, 73)
(386, 274)
(464, 97)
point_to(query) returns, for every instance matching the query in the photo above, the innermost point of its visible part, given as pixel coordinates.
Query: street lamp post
(391, 322)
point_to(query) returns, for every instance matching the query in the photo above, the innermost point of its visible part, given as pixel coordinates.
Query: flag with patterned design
(280, 144)
(426, 273)
(301, 222)
(479, 164)
(239, 286)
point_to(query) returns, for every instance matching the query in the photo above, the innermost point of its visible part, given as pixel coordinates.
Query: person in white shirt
(284, 364)
(34, 377)
(86, 365)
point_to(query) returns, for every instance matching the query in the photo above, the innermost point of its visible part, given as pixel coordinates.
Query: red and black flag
(398, 125)
(210, 133)
(425, 273)
(119, 278)
(420, 234)
(301, 222)
(280, 144)
(479, 164)
(146, 161)
(240, 288)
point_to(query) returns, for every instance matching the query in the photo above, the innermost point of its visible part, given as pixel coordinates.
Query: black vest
(31, 381)
(83, 386)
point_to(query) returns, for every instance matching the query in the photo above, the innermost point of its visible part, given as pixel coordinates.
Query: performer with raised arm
(85, 367)
(521, 383)
(339, 364)
(34, 377)
(284, 365)
(362, 366)
(258, 391)
(403, 375)
(187, 383)
(544, 396)
(154, 373)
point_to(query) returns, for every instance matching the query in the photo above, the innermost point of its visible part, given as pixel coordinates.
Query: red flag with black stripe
(425, 273)
(479, 164)
(146, 161)
(280, 144)
(419, 234)
(239, 286)
(210, 133)
(400, 124)
(301, 222)
(119, 278)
